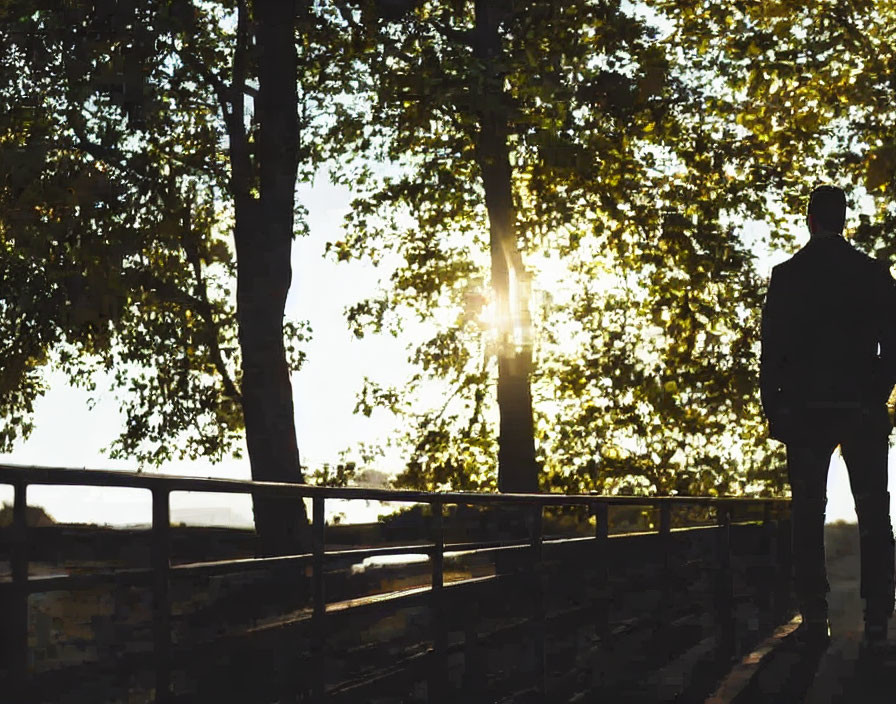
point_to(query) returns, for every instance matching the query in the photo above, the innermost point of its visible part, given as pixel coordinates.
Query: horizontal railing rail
(62, 476)
(161, 571)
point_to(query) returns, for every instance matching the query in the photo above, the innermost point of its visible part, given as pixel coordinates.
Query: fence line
(161, 570)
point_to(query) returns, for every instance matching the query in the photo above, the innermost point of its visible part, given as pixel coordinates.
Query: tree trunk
(263, 233)
(517, 468)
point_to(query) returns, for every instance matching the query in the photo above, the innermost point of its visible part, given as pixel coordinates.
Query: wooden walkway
(779, 672)
(566, 612)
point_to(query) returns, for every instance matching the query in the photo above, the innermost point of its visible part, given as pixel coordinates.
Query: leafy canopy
(629, 210)
(115, 211)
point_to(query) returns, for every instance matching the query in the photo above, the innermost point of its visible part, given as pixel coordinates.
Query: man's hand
(780, 424)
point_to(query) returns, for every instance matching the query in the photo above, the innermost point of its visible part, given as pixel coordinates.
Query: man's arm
(885, 373)
(772, 360)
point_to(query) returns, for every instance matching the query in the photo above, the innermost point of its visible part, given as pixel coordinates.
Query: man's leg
(866, 461)
(807, 467)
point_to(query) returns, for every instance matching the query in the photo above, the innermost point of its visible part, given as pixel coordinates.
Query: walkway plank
(780, 671)
(744, 673)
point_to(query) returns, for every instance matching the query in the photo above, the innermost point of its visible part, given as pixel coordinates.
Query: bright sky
(68, 434)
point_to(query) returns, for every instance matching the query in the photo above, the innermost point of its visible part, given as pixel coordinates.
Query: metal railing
(159, 574)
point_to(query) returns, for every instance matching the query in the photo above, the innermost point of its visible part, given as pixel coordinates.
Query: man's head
(826, 211)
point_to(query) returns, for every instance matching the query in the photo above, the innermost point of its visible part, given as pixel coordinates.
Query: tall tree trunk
(263, 234)
(517, 468)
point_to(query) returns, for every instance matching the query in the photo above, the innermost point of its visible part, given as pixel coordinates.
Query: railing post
(784, 587)
(436, 684)
(17, 636)
(599, 595)
(766, 598)
(538, 587)
(320, 609)
(665, 519)
(161, 550)
(601, 521)
(665, 606)
(724, 585)
(474, 679)
(601, 574)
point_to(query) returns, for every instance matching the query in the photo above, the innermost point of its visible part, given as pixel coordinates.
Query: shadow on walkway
(840, 674)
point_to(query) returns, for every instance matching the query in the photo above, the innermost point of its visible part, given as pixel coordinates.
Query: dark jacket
(828, 339)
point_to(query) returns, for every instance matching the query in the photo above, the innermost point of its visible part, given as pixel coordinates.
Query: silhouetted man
(828, 366)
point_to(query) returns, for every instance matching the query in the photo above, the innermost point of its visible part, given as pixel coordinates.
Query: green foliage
(639, 154)
(326, 475)
(809, 87)
(628, 187)
(115, 206)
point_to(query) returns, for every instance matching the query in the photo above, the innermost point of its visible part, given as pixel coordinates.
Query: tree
(487, 129)
(573, 138)
(134, 134)
(809, 85)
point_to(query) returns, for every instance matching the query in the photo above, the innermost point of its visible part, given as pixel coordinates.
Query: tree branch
(201, 306)
(205, 310)
(479, 397)
(240, 161)
(230, 101)
(466, 37)
(214, 82)
(168, 291)
(840, 14)
(108, 155)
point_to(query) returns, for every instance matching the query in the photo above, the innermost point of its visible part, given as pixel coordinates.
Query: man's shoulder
(859, 255)
(801, 257)
(873, 267)
(838, 249)
(787, 266)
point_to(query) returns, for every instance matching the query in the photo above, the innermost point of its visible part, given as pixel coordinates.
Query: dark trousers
(865, 453)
